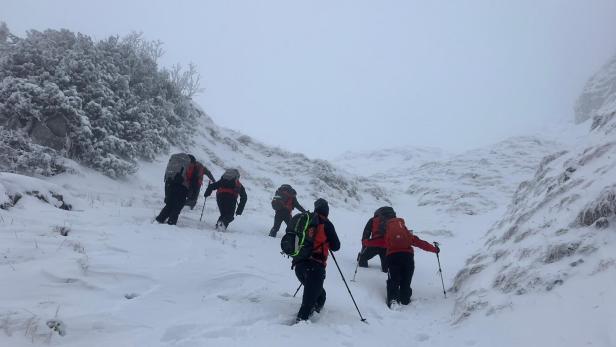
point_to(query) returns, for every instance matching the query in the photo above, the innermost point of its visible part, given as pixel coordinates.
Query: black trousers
(282, 215)
(175, 198)
(369, 253)
(401, 268)
(312, 275)
(226, 206)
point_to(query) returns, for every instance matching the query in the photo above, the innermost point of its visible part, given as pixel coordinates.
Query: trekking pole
(300, 285)
(202, 209)
(440, 271)
(347, 287)
(357, 266)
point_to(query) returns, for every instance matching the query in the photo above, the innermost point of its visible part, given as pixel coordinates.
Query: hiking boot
(272, 233)
(363, 264)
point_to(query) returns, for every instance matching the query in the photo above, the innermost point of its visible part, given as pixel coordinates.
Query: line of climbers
(309, 236)
(183, 180)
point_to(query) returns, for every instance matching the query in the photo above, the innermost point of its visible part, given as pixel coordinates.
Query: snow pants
(226, 205)
(369, 253)
(401, 268)
(312, 275)
(282, 215)
(175, 198)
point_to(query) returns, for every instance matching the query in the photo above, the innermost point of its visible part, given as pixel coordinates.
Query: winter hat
(321, 207)
(192, 158)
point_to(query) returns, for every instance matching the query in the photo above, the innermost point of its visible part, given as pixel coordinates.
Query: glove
(438, 250)
(238, 213)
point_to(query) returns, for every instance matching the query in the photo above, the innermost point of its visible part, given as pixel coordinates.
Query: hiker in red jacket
(228, 188)
(373, 238)
(399, 242)
(311, 272)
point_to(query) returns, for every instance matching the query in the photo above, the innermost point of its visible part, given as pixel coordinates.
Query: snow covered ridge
(477, 181)
(471, 183)
(388, 161)
(14, 187)
(599, 95)
(264, 168)
(559, 227)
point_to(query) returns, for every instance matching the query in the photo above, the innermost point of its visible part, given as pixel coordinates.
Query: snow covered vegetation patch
(14, 187)
(102, 103)
(558, 227)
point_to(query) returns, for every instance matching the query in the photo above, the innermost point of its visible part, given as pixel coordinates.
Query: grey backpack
(177, 169)
(231, 175)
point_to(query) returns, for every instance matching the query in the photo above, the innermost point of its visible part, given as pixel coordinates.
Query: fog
(323, 77)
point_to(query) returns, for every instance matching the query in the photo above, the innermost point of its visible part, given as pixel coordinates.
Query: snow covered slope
(474, 182)
(265, 168)
(388, 161)
(599, 95)
(555, 245)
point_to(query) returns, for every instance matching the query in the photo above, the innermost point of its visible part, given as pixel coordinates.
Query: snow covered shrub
(19, 154)
(602, 208)
(104, 104)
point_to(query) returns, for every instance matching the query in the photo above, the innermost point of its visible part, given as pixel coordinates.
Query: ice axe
(202, 209)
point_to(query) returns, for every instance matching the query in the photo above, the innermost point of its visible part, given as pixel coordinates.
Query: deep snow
(118, 279)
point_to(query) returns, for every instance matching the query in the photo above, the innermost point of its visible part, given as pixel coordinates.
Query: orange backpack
(397, 236)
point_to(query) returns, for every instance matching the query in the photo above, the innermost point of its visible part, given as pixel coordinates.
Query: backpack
(298, 241)
(284, 198)
(397, 236)
(177, 169)
(231, 175)
(379, 222)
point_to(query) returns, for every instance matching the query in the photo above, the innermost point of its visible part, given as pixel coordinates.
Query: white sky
(322, 77)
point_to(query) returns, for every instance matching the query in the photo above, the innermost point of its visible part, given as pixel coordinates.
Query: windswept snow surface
(117, 279)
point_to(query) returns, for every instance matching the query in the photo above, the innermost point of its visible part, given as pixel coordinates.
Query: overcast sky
(322, 77)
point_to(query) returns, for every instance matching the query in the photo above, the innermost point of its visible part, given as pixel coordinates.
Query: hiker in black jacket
(283, 203)
(228, 189)
(311, 271)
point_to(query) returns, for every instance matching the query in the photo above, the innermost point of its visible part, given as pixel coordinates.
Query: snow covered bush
(104, 104)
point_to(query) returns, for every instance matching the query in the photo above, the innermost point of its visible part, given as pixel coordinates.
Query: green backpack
(298, 241)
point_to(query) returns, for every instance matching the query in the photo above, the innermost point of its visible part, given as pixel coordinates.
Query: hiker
(283, 203)
(181, 176)
(196, 183)
(228, 188)
(373, 238)
(311, 271)
(399, 242)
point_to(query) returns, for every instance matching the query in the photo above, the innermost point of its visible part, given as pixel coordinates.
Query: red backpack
(397, 237)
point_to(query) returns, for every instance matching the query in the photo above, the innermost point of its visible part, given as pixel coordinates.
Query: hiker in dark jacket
(183, 174)
(400, 259)
(373, 237)
(228, 189)
(311, 272)
(283, 203)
